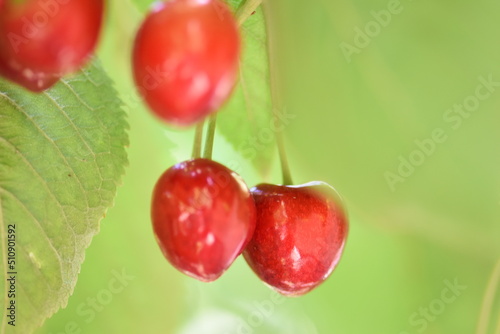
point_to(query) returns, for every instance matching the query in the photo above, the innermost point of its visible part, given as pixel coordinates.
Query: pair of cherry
(186, 57)
(204, 217)
(41, 41)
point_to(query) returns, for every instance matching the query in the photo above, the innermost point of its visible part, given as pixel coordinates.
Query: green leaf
(61, 159)
(245, 120)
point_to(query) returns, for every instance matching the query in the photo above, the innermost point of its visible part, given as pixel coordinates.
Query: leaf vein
(51, 245)
(50, 140)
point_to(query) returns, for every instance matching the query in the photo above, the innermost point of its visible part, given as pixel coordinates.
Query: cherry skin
(203, 217)
(185, 59)
(42, 41)
(35, 83)
(299, 237)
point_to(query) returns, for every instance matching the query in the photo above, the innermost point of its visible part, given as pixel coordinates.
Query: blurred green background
(355, 119)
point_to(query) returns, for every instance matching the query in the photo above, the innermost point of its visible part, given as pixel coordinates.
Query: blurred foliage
(353, 121)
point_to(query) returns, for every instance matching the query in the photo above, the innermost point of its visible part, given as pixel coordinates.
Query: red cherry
(203, 216)
(299, 237)
(185, 59)
(36, 82)
(47, 39)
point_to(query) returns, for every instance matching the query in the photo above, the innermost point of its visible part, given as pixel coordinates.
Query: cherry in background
(299, 237)
(203, 216)
(40, 41)
(185, 59)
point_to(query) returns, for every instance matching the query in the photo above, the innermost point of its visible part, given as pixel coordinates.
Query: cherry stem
(276, 96)
(246, 10)
(242, 14)
(285, 168)
(488, 301)
(209, 141)
(197, 140)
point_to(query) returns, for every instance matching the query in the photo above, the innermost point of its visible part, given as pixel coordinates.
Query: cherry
(36, 82)
(203, 216)
(299, 237)
(40, 41)
(185, 59)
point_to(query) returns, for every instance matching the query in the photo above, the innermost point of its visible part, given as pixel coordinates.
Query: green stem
(197, 140)
(209, 141)
(275, 84)
(242, 14)
(246, 10)
(488, 300)
(285, 168)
